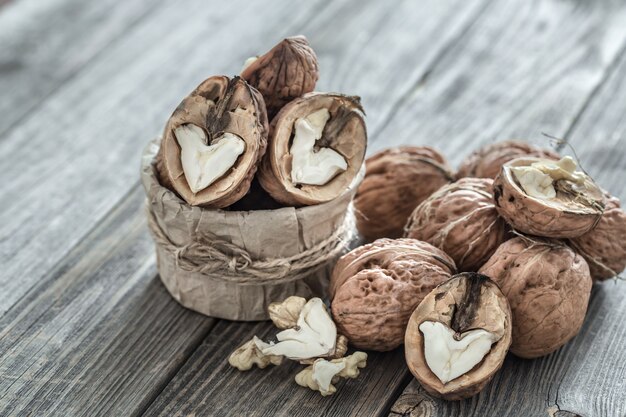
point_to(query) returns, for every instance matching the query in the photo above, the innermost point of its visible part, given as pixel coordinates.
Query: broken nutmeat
(323, 373)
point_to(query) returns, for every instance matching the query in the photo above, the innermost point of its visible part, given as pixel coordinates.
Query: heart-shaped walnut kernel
(316, 149)
(213, 143)
(458, 336)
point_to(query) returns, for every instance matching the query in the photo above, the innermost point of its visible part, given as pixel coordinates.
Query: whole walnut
(487, 160)
(289, 70)
(460, 219)
(375, 288)
(604, 247)
(548, 288)
(396, 181)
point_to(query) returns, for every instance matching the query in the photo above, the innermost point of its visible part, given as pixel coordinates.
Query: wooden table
(87, 328)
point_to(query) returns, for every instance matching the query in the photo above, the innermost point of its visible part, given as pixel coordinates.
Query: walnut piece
(396, 181)
(249, 354)
(302, 167)
(604, 247)
(460, 219)
(287, 71)
(548, 287)
(458, 337)
(314, 335)
(487, 161)
(376, 287)
(213, 143)
(285, 314)
(322, 374)
(545, 198)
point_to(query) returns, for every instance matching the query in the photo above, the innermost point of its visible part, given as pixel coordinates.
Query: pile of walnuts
(263, 139)
(464, 267)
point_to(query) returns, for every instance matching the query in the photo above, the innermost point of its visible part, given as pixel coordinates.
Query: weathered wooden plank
(523, 68)
(98, 123)
(207, 385)
(101, 335)
(44, 43)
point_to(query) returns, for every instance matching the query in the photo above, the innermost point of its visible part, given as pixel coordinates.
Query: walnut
(213, 143)
(376, 287)
(460, 219)
(249, 354)
(548, 287)
(285, 314)
(316, 149)
(322, 374)
(547, 198)
(487, 161)
(458, 337)
(396, 181)
(287, 71)
(604, 247)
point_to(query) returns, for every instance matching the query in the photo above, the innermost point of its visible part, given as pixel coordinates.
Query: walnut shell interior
(465, 302)
(218, 105)
(396, 181)
(575, 210)
(345, 133)
(375, 288)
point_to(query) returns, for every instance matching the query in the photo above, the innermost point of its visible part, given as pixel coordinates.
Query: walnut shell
(574, 211)
(289, 70)
(548, 287)
(218, 105)
(375, 288)
(396, 181)
(487, 160)
(604, 247)
(467, 301)
(344, 132)
(460, 219)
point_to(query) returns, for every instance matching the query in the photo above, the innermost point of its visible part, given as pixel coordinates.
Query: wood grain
(522, 68)
(98, 123)
(208, 386)
(37, 57)
(100, 336)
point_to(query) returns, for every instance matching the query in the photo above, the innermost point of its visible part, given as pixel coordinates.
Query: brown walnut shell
(396, 181)
(487, 161)
(344, 132)
(548, 287)
(218, 105)
(460, 219)
(375, 288)
(604, 247)
(467, 301)
(289, 70)
(575, 210)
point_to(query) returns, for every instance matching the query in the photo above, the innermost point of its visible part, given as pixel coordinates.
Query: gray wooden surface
(87, 329)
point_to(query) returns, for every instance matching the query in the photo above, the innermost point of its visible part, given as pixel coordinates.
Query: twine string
(223, 260)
